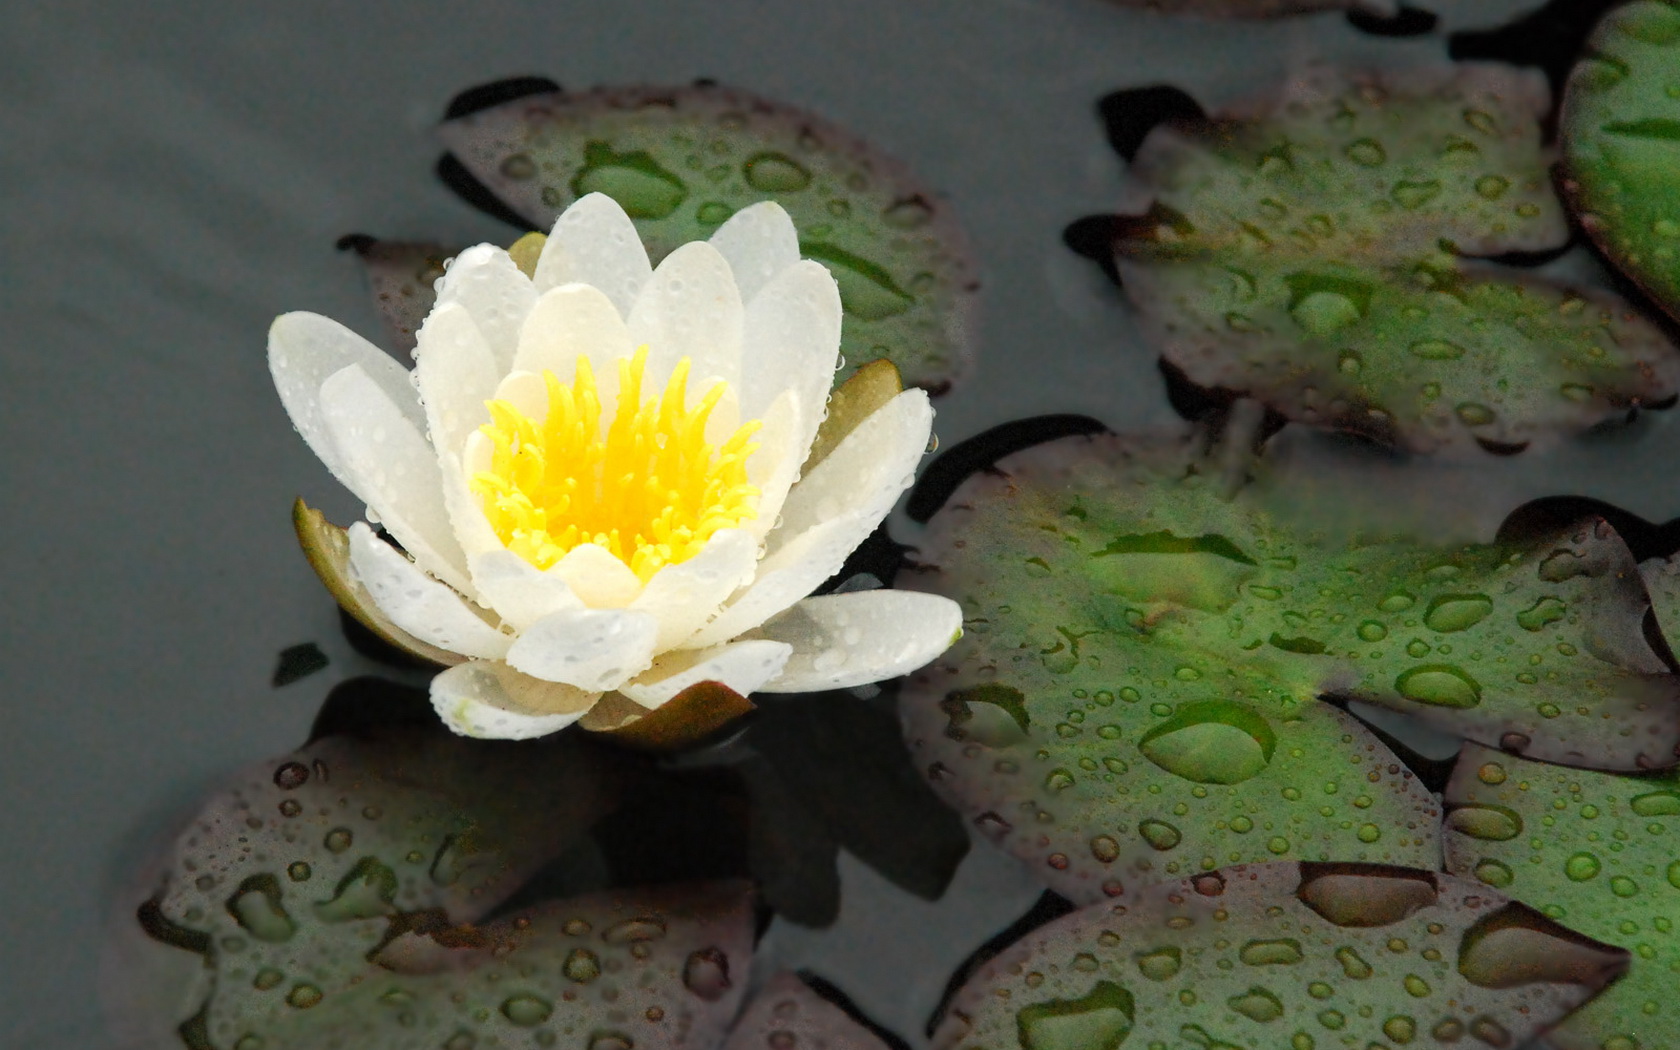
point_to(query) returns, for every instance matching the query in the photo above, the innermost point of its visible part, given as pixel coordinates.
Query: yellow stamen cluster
(649, 488)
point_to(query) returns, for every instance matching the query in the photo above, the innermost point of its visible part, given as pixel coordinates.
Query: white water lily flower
(595, 473)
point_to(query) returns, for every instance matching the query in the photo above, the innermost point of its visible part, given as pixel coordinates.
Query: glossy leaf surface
(1284, 955)
(682, 160)
(1313, 254)
(1596, 851)
(1137, 691)
(1621, 140)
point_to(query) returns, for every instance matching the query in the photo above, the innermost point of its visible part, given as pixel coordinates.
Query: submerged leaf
(1136, 688)
(1621, 140)
(1311, 256)
(683, 160)
(1284, 955)
(1597, 851)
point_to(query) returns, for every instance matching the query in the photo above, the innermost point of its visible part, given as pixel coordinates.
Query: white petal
(597, 577)
(594, 242)
(788, 574)
(759, 241)
(568, 322)
(842, 640)
(742, 666)
(525, 391)
(303, 350)
(682, 597)
(393, 469)
(690, 308)
(417, 603)
(492, 701)
(520, 592)
(485, 281)
(466, 507)
(775, 466)
(456, 373)
(792, 342)
(867, 471)
(593, 649)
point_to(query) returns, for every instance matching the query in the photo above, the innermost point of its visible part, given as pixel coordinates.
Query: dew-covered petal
(842, 640)
(394, 469)
(490, 700)
(683, 596)
(420, 605)
(304, 349)
(456, 371)
(598, 577)
(774, 468)
(466, 507)
(594, 242)
(593, 649)
(742, 666)
(520, 592)
(791, 341)
(786, 1012)
(485, 280)
(568, 322)
(690, 308)
(867, 471)
(792, 571)
(759, 241)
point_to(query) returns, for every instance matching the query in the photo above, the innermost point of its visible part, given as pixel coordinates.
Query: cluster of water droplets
(1597, 851)
(1311, 257)
(1284, 955)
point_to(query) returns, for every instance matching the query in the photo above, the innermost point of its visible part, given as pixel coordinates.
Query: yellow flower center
(648, 488)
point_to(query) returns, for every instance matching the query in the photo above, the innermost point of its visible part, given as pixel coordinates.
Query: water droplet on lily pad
(1213, 742)
(1100, 1020)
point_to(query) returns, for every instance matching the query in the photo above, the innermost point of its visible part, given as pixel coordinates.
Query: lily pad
(1313, 255)
(338, 897)
(1276, 955)
(681, 160)
(1596, 851)
(1621, 140)
(1145, 642)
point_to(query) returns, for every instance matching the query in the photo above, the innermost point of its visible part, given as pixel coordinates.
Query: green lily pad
(331, 893)
(1284, 955)
(1621, 140)
(1146, 642)
(1596, 851)
(682, 160)
(1313, 256)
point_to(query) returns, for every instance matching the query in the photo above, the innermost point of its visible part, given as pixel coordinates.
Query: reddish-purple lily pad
(333, 896)
(1136, 692)
(1313, 254)
(1284, 955)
